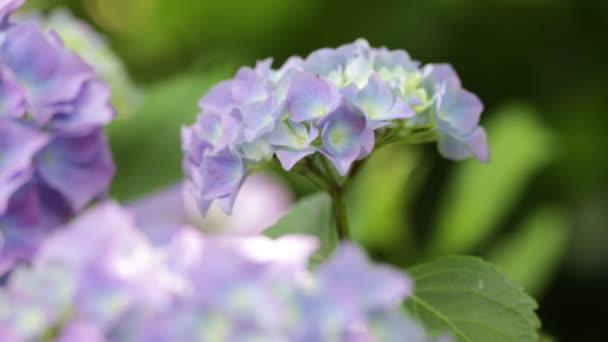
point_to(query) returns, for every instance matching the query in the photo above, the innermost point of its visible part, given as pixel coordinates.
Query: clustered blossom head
(80, 37)
(54, 158)
(337, 103)
(101, 279)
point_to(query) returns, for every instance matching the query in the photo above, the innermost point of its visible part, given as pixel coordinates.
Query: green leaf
(481, 195)
(470, 299)
(543, 239)
(378, 197)
(311, 215)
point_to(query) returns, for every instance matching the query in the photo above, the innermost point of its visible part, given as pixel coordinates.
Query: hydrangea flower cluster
(337, 103)
(89, 44)
(101, 279)
(54, 158)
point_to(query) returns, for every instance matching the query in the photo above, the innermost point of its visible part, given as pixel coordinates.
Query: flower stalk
(341, 214)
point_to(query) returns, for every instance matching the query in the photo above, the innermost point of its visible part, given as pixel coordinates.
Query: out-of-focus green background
(539, 209)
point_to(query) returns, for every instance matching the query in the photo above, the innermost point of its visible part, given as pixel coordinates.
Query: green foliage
(532, 253)
(376, 200)
(312, 215)
(480, 196)
(473, 301)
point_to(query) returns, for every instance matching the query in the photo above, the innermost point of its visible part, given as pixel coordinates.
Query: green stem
(321, 174)
(314, 176)
(341, 214)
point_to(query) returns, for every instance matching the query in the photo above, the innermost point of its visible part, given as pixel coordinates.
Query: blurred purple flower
(6, 8)
(54, 157)
(100, 278)
(79, 167)
(31, 215)
(262, 201)
(12, 101)
(19, 143)
(50, 74)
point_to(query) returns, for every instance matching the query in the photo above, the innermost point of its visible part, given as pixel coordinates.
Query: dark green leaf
(470, 299)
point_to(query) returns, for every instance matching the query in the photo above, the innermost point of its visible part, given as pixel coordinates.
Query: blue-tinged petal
(350, 91)
(345, 137)
(350, 51)
(81, 330)
(395, 326)
(478, 143)
(310, 97)
(282, 76)
(460, 109)
(342, 130)
(48, 71)
(358, 71)
(221, 174)
(368, 140)
(443, 74)
(293, 135)
(249, 86)
(353, 280)
(292, 140)
(18, 145)
(323, 61)
(33, 212)
(387, 59)
(6, 8)
(452, 147)
(459, 147)
(12, 96)
(256, 150)
(288, 157)
(343, 161)
(192, 189)
(8, 188)
(260, 117)
(264, 67)
(194, 149)
(226, 203)
(209, 128)
(216, 131)
(80, 167)
(91, 109)
(341, 137)
(219, 98)
(379, 103)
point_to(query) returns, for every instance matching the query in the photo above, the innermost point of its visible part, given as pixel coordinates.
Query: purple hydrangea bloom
(335, 104)
(19, 143)
(379, 102)
(79, 167)
(262, 201)
(6, 8)
(292, 141)
(311, 97)
(49, 73)
(54, 157)
(32, 214)
(12, 101)
(457, 113)
(101, 279)
(346, 137)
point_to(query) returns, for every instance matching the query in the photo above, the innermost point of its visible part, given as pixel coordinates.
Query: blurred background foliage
(539, 209)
